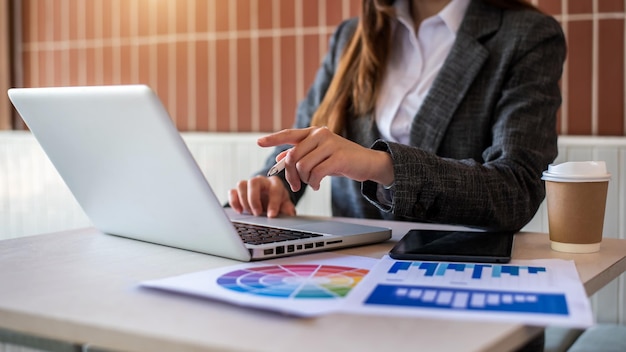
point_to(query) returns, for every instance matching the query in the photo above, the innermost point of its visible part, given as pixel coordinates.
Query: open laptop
(122, 158)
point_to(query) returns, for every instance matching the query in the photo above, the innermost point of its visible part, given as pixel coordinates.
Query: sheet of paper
(304, 285)
(533, 292)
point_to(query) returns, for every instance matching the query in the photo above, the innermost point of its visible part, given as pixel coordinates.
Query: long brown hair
(354, 88)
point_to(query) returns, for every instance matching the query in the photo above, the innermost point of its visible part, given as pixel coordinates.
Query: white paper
(533, 292)
(304, 285)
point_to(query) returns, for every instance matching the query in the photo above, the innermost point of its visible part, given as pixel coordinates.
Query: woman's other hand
(261, 195)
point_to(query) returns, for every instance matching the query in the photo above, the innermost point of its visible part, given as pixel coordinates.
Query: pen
(278, 167)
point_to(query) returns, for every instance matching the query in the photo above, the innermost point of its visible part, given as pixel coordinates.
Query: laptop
(124, 161)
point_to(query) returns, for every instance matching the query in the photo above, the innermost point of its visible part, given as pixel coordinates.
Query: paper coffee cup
(576, 196)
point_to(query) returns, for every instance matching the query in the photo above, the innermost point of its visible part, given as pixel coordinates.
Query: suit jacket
(483, 136)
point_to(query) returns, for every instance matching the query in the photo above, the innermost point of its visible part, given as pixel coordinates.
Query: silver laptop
(122, 158)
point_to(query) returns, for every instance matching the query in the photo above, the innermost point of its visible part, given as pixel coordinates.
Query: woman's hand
(317, 152)
(261, 195)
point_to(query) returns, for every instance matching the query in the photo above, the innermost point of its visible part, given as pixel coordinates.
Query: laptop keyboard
(257, 234)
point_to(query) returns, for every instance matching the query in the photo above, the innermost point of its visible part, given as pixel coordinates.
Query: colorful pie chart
(304, 281)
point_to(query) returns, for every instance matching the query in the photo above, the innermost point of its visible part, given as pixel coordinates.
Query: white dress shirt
(414, 61)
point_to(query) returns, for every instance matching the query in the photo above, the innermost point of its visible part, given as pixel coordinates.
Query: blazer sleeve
(504, 189)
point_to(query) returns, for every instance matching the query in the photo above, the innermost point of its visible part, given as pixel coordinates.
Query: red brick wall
(243, 65)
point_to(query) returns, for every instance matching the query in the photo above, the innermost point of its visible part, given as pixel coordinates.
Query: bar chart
(468, 299)
(470, 287)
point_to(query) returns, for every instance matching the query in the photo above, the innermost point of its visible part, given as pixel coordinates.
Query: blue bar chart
(477, 270)
(472, 287)
(468, 299)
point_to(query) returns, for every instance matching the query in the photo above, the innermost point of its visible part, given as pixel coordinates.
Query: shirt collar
(452, 15)
(403, 14)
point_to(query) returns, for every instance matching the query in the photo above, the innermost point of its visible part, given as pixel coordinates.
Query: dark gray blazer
(483, 136)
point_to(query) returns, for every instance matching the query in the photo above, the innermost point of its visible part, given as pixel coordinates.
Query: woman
(425, 110)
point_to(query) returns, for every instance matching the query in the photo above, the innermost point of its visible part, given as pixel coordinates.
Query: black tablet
(455, 246)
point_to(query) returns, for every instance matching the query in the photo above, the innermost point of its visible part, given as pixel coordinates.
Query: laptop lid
(122, 158)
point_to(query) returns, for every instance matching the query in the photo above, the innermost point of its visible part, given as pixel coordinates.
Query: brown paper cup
(576, 215)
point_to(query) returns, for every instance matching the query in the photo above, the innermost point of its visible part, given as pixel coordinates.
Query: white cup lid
(577, 171)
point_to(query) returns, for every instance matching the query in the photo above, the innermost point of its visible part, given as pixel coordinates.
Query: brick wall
(243, 65)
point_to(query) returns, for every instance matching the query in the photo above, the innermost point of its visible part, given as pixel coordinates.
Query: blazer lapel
(454, 79)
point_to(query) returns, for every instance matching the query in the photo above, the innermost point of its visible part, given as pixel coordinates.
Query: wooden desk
(81, 286)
